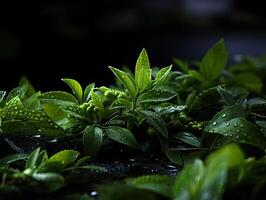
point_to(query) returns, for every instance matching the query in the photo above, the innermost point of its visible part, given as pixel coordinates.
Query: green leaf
(156, 121)
(122, 135)
(19, 127)
(92, 140)
(18, 91)
(162, 75)
(188, 138)
(65, 157)
(74, 111)
(87, 92)
(121, 103)
(97, 99)
(2, 95)
(248, 80)
(75, 87)
(188, 183)
(13, 158)
(214, 61)
(143, 71)
(123, 192)
(125, 79)
(154, 96)
(196, 75)
(231, 123)
(32, 102)
(49, 181)
(182, 65)
(226, 95)
(59, 161)
(156, 183)
(58, 98)
(14, 110)
(54, 111)
(33, 157)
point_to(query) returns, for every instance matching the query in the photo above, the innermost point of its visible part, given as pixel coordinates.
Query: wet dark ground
(116, 163)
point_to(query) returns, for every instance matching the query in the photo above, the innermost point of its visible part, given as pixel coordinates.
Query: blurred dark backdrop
(48, 40)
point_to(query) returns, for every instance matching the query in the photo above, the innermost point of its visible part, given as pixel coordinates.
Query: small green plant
(181, 113)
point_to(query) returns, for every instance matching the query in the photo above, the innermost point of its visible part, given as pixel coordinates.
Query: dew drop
(214, 123)
(224, 115)
(237, 137)
(227, 124)
(235, 125)
(237, 130)
(241, 125)
(94, 193)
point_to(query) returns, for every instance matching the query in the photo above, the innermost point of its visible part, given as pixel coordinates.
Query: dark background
(48, 40)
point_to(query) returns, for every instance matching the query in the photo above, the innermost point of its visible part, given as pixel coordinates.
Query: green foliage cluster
(191, 109)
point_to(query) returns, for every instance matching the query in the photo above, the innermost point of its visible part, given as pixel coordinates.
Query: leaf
(49, 181)
(250, 81)
(13, 158)
(32, 102)
(226, 95)
(87, 92)
(58, 98)
(121, 103)
(97, 99)
(74, 111)
(92, 140)
(225, 164)
(75, 87)
(2, 95)
(196, 75)
(188, 138)
(231, 123)
(156, 121)
(65, 157)
(14, 110)
(123, 192)
(33, 157)
(59, 161)
(214, 61)
(154, 96)
(19, 127)
(202, 100)
(18, 91)
(54, 111)
(189, 181)
(122, 135)
(162, 75)
(160, 184)
(125, 79)
(182, 65)
(143, 71)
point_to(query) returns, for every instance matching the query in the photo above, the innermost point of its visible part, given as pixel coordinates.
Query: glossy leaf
(231, 123)
(87, 92)
(33, 157)
(49, 181)
(75, 87)
(156, 121)
(156, 183)
(92, 140)
(13, 158)
(162, 75)
(58, 97)
(143, 71)
(126, 80)
(188, 138)
(214, 61)
(122, 135)
(155, 96)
